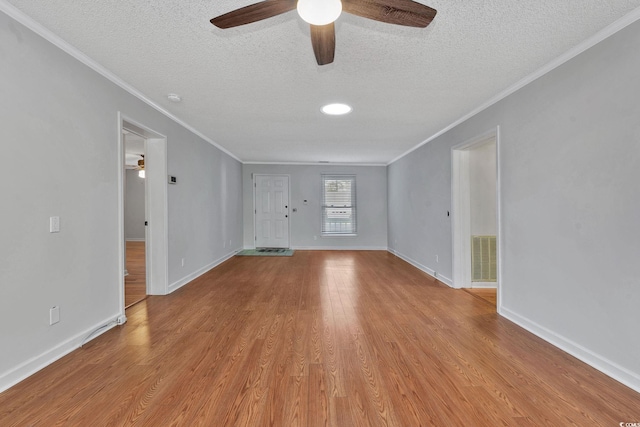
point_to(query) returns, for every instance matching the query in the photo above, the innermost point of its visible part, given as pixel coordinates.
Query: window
(338, 205)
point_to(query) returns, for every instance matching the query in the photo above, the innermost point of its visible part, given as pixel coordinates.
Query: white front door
(272, 211)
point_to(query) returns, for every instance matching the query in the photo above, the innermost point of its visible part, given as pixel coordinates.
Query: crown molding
(601, 35)
(314, 164)
(48, 35)
(57, 41)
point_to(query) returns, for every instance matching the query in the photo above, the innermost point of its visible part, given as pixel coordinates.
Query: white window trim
(354, 205)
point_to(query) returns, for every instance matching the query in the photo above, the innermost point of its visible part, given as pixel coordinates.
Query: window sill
(338, 235)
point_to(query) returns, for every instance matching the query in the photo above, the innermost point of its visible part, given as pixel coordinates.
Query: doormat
(266, 252)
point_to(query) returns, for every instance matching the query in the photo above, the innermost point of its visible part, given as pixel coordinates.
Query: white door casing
(461, 211)
(157, 236)
(271, 211)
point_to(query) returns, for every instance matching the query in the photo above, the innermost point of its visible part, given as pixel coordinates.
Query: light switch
(54, 224)
(54, 315)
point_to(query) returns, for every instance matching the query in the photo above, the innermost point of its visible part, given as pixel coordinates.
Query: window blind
(338, 204)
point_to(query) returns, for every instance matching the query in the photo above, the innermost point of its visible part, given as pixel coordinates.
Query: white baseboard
(447, 281)
(190, 277)
(339, 248)
(135, 239)
(602, 364)
(484, 285)
(26, 369)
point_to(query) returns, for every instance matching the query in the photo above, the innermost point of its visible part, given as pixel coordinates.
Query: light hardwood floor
(320, 338)
(135, 283)
(487, 294)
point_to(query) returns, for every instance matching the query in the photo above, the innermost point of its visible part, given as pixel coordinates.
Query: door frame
(461, 211)
(255, 213)
(157, 235)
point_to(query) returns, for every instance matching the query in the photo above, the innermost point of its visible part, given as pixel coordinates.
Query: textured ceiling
(256, 90)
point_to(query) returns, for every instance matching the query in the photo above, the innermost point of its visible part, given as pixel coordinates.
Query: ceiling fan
(135, 162)
(132, 161)
(321, 14)
(140, 168)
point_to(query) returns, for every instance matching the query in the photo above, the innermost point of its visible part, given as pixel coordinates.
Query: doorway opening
(476, 210)
(135, 218)
(155, 202)
(271, 211)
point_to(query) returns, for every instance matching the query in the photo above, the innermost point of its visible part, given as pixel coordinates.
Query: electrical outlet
(437, 258)
(54, 315)
(183, 262)
(315, 237)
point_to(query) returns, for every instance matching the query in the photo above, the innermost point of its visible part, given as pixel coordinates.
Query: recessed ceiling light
(174, 98)
(336, 109)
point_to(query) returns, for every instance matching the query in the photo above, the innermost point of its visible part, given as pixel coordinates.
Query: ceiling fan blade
(323, 39)
(253, 13)
(399, 12)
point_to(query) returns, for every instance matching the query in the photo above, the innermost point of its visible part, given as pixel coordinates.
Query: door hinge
(255, 238)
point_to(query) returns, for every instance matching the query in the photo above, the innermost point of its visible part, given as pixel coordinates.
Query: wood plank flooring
(318, 339)
(487, 294)
(135, 283)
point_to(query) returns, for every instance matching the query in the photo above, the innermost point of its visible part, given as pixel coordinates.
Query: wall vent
(483, 259)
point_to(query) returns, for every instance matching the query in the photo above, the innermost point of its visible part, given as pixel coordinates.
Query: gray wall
(482, 183)
(134, 215)
(569, 154)
(58, 122)
(305, 183)
(205, 207)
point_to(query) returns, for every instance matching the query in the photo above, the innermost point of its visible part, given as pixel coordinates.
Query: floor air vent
(483, 259)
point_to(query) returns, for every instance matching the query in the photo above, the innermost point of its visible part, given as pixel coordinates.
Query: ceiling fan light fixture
(336, 109)
(319, 12)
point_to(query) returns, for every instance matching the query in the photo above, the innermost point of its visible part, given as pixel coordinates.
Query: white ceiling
(256, 90)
